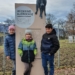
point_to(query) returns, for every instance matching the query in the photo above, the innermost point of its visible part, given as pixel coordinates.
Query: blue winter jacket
(9, 46)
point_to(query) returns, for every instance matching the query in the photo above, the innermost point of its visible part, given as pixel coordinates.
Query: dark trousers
(14, 67)
(45, 59)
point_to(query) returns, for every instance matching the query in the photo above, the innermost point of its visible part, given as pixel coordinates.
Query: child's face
(28, 36)
(48, 30)
(11, 31)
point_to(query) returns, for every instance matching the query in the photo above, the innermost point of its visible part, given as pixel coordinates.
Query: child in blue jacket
(9, 46)
(27, 50)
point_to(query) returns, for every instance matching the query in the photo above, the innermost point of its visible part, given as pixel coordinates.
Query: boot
(36, 12)
(26, 72)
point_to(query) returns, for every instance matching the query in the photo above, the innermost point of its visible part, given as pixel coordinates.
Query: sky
(59, 8)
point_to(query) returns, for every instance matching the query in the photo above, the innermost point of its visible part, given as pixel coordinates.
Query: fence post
(59, 49)
(4, 54)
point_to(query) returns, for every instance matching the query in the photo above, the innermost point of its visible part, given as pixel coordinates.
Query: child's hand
(8, 57)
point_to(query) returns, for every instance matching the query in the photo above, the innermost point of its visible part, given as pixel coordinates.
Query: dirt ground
(67, 71)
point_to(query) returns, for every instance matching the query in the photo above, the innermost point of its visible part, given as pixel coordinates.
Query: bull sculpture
(41, 5)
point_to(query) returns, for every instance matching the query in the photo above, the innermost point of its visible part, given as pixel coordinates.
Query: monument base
(37, 31)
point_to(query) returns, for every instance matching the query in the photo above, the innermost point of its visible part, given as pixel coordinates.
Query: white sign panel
(24, 16)
(70, 39)
(74, 38)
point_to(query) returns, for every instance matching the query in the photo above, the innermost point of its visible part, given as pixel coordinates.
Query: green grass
(1, 49)
(6, 73)
(1, 34)
(67, 54)
(1, 46)
(66, 44)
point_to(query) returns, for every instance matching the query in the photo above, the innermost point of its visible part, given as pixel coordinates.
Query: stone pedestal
(38, 28)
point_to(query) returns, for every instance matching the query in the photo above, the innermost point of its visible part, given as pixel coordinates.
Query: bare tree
(10, 21)
(70, 24)
(50, 19)
(61, 23)
(4, 26)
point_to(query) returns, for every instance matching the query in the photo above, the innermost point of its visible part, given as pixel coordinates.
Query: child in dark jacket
(49, 46)
(27, 50)
(9, 46)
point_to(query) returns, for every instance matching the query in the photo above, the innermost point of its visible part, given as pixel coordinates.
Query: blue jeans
(45, 59)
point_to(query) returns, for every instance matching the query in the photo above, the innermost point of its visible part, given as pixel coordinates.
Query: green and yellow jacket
(27, 50)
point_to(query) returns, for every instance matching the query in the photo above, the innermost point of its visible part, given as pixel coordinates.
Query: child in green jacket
(27, 50)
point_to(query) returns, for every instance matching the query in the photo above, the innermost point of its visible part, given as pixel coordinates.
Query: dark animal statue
(41, 5)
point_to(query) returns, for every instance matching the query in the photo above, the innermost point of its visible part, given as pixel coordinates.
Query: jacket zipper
(28, 54)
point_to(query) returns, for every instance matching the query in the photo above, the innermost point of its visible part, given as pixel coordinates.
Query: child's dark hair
(49, 26)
